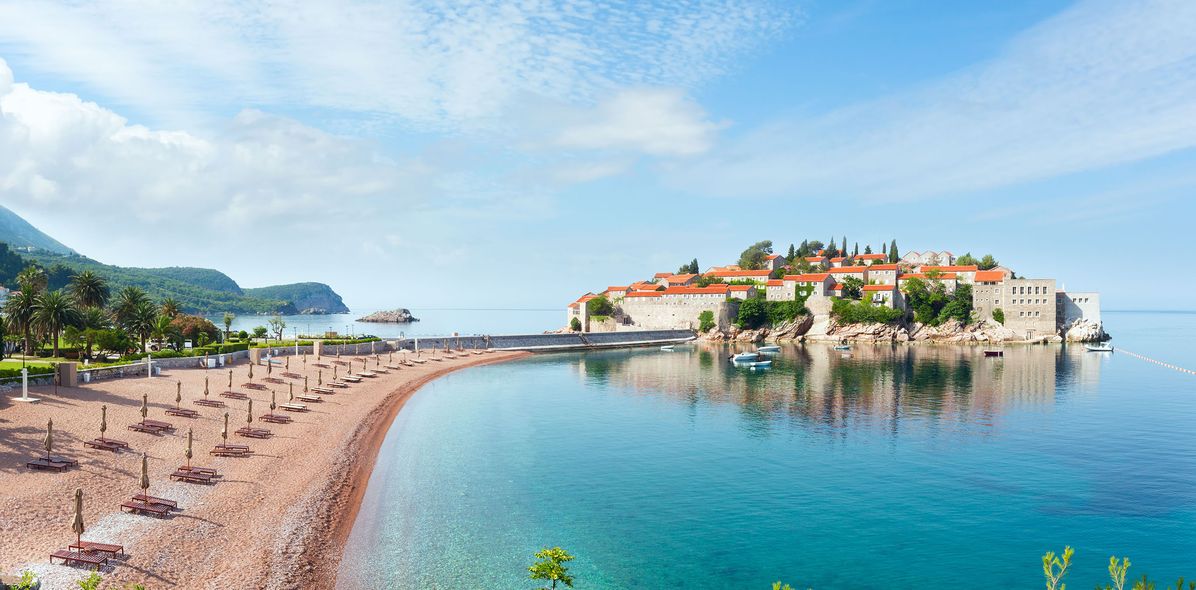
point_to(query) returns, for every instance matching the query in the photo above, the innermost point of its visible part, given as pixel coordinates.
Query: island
(395, 316)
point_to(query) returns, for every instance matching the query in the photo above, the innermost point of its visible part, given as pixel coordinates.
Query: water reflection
(885, 387)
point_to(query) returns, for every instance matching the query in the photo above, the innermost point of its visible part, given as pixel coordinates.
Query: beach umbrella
(103, 421)
(49, 442)
(269, 366)
(249, 417)
(205, 386)
(77, 521)
(305, 384)
(305, 361)
(291, 397)
(224, 431)
(178, 396)
(144, 406)
(334, 372)
(290, 389)
(288, 365)
(187, 452)
(144, 473)
(250, 371)
(320, 377)
(230, 378)
(273, 400)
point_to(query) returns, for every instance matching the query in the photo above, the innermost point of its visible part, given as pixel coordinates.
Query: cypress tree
(830, 247)
(792, 253)
(884, 249)
(856, 249)
(843, 252)
(893, 251)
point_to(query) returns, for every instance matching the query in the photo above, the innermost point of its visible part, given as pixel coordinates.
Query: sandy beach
(276, 519)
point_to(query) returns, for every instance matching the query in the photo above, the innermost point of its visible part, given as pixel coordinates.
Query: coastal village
(987, 301)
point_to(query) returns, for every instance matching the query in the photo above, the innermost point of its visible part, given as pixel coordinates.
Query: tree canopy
(753, 257)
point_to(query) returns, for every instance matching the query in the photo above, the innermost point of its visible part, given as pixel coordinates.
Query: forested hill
(19, 234)
(307, 297)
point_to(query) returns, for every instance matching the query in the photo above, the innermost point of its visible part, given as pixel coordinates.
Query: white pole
(149, 367)
(25, 388)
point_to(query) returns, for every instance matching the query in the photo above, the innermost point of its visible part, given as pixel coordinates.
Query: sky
(518, 154)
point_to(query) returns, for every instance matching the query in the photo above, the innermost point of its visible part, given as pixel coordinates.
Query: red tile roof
(879, 287)
(775, 283)
(739, 273)
(947, 276)
(968, 268)
(989, 276)
(618, 288)
(872, 256)
(680, 278)
(662, 275)
(772, 257)
(837, 287)
(883, 267)
(848, 269)
(839, 259)
(815, 258)
(642, 286)
(811, 277)
(644, 294)
(742, 287)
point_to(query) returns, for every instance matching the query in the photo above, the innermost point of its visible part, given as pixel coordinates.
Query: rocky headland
(809, 328)
(394, 316)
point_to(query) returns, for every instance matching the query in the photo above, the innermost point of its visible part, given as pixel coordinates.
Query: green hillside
(19, 234)
(198, 290)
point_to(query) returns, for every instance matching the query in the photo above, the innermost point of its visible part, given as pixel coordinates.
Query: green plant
(999, 315)
(551, 567)
(706, 321)
(91, 582)
(1054, 567)
(575, 325)
(25, 582)
(752, 313)
(600, 306)
(863, 312)
(852, 287)
(134, 586)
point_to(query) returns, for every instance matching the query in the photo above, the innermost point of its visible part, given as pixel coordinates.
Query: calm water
(433, 322)
(907, 467)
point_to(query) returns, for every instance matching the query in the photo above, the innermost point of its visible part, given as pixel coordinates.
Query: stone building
(684, 280)
(1029, 305)
(948, 279)
(678, 310)
(742, 291)
(928, 258)
(859, 272)
(774, 261)
(883, 274)
(1072, 306)
(870, 259)
(809, 284)
(774, 290)
(886, 295)
(756, 276)
(964, 274)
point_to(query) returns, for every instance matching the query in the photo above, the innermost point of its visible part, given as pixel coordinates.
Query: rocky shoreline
(401, 315)
(808, 328)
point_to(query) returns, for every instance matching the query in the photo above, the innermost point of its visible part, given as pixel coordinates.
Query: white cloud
(428, 64)
(1100, 84)
(659, 122)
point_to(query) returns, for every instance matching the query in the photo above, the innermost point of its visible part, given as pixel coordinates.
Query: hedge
(4, 373)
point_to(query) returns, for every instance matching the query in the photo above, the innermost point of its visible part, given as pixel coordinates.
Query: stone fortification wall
(674, 313)
(569, 341)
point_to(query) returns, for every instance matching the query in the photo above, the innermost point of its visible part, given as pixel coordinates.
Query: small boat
(667, 347)
(769, 349)
(755, 365)
(1098, 347)
(842, 347)
(745, 357)
(994, 353)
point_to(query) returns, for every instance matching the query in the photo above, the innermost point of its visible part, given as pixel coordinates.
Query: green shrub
(863, 312)
(575, 325)
(999, 315)
(33, 371)
(706, 321)
(752, 313)
(600, 306)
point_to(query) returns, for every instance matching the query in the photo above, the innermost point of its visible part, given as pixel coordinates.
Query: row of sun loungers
(107, 444)
(251, 432)
(275, 418)
(52, 463)
(182, 412)
(210, 403)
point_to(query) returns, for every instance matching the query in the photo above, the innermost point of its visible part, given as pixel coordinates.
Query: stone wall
(568, 341)
(673, 313)
(1074, 306)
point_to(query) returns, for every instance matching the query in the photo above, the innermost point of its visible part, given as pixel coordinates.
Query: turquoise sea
(895, 467)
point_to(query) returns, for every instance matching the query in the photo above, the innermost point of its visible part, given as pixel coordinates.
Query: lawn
(11, 364)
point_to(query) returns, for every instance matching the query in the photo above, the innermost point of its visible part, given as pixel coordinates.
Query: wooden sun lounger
(294, 407)
(171, 504)
(338, 384)
(274, 380)
(367, 374)
(191, 477)
(322, 365)
(341, 363)
(351, 379)
(275, 418)
(254, 386)
(234, 395)
(43, 464)
(144, 508)
(93, 547)
(394, 367)
(105, 445)
(64, 460)
(324, 390)
(79, 557)
(211, 403)
(248, 432)
(309, 398)
(158, 424)
(290, 375)
(230, 451)
(182, 412)
(146, 428)
(201, 470)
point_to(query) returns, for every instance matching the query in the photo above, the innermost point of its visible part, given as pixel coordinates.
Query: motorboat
(1098, 347)
(753, 364)
(747, 357)
(842, 347)
(667, 348)
(769, 349)
(999, 353)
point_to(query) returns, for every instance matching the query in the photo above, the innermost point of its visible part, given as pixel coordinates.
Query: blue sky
(494, 154)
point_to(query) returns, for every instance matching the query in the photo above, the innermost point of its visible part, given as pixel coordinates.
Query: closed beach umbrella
(230, 378)
(273, 400)
(144, 406)
(269, 366)
(103, 421)
(224, 431)
(291, 397)
(205, 386)
(178, 396)
(305, 361)
(49, 442)
(334, 372)
(320, 377)
(291, 388)
(251, 370)
(288, 363)
(187, 452)
(305, 384)
(249, 417)
(77, 521)
(144, 473)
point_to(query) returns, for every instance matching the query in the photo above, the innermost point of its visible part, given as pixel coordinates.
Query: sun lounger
(171, 504)
(234, 395)
(79, 557)
(322, 365)
(107, 548)
(274, 380)
(211, 403)
(337, 384)
(290, 375)
(275, 418)
(294, 407)
(351, 379)
(249, 432)
(158, 424)
(191, 477)
(324, 390)
(309, 398)
(105, 445)
(254, 386)
(182, 412)
(146, 428)
(230, 451)
(341, 363)
(381, 370)
(143, 508)
(367, 374)
(44, 464)
(201, 470)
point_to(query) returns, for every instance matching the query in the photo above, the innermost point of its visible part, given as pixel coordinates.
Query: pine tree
(893, 251)
(830, 247)
(868, 249)
(884, 249)
(843, 252)
(856, 250)
(792, 253)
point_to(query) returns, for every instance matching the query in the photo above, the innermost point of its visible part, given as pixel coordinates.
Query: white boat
(744, 357)
(1098, 347)
(842, 347)
(769, 349)
(755, 365)
(667, 347)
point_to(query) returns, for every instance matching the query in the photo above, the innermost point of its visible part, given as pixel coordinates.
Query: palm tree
(170, 308)
(127, 302)
(53, 311)
(91, 321)
(90, 289)
(163, 330)
(141, 320)
(228, 324)
(19, 311)
(32, 279)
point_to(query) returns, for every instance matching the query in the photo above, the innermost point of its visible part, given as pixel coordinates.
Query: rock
(1083, 330)
(394, 316)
